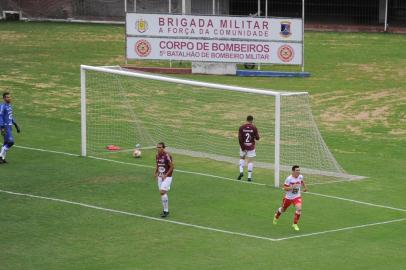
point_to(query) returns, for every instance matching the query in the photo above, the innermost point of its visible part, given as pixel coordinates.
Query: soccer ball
(137, 153)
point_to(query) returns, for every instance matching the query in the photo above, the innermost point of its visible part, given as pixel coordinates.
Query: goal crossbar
(119, 71)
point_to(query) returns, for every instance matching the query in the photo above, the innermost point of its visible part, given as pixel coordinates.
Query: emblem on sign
(286, 53)
(141, 25)
(142, 48)
(285, 29)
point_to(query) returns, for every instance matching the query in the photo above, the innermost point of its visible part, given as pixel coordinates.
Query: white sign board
(214, 27)
(232, 51)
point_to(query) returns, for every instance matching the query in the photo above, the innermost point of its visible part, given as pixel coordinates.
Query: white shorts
(250, 153)
(166, 184)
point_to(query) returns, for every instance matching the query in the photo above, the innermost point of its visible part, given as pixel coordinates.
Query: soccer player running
(293, 185)
(6, 124)
(163, 174)
(247, 135)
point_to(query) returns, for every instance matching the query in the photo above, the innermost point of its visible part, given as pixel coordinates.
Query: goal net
(125, 108)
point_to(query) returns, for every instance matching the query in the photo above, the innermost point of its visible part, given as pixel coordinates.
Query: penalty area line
(341, 229)
(359, 202)
(137, 215)
(194, 225)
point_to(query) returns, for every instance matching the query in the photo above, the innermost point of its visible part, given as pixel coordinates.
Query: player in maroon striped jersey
(247, 135)
(163, 174)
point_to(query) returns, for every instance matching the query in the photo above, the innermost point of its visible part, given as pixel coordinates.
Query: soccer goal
(200, 119)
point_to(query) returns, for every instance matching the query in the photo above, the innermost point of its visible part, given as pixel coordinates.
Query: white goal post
(200, 119)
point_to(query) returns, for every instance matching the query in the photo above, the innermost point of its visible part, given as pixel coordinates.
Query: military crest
(285, 29)
(141, 25)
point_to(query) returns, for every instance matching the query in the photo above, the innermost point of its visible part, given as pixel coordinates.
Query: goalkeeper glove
(3, 131)
(17, 128)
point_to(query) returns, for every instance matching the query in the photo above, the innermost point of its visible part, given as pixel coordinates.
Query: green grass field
(358, 90)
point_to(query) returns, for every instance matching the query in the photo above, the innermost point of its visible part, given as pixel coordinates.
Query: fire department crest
(141, 25)
(286, 53)
(142, 48)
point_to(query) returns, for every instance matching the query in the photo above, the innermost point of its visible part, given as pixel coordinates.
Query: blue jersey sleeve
(2, 112)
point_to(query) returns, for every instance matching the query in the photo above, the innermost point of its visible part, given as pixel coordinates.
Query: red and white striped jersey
(295, 192)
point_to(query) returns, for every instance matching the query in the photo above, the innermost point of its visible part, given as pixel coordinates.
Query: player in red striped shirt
(292, 186)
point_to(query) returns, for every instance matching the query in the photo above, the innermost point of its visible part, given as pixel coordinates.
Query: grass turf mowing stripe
(194, 225)
(218, 177)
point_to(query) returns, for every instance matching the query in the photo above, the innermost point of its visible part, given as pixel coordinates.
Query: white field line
(208, 175)
(336, 181)
(47, 151)
(141, 165)
(218, 177)
(197, 226)
(177, 170)
(341, 229)
(359, 202)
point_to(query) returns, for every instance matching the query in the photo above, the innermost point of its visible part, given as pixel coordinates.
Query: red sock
(278, 214)
(296, 219)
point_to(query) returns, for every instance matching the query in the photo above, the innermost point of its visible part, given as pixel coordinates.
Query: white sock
(250, 168)
(3, 152)
(165, 203)
(242, 163)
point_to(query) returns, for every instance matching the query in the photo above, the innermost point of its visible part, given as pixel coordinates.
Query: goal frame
(117, 70)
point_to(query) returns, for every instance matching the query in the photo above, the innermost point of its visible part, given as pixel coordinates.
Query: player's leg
(285, 204)
(242, 164)
(298, 212)
(165, 203)
(3, 151)
(165, 186)
(250, 167)
(250, 160)
(8, 143)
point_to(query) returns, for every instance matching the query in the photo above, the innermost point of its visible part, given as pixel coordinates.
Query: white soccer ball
(137, 153)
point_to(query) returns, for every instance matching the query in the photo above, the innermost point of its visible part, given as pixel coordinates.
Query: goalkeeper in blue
(6, 124)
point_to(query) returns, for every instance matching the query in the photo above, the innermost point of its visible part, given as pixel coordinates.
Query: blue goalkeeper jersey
(6, 115)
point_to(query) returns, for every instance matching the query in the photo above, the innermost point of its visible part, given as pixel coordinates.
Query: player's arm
(156, 171)
(304, 186)
(171, 167)
(241, 138)
(16, 126)
(2, 127)
(287, 187)
(256, 134)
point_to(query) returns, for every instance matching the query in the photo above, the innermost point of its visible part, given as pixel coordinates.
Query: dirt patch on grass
(382, 71)
(358, 113)
(89, 37)
(11, 36)
(15, 78)
(45, 85)
(223, 133)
